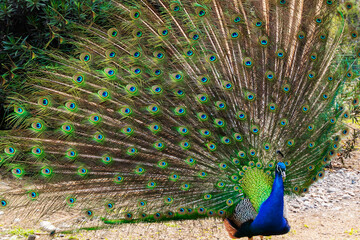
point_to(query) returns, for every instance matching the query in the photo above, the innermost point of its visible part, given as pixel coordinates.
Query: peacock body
(180, 110)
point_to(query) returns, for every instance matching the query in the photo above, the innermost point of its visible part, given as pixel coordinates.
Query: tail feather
(165, 111)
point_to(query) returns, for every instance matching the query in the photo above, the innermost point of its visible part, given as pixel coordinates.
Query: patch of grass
(171, 225)
(18, 231)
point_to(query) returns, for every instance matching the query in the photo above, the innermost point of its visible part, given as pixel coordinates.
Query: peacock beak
(283, 174)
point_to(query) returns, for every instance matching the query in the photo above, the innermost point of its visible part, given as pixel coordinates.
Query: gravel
(338, 185)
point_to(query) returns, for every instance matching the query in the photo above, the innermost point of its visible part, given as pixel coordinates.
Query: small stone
(31, 237)
(295, 205)
(337, 208)
(47, 227)
(332, 189)
(351, 194)
(328, 205)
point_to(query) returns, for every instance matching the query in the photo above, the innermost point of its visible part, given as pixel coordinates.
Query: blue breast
(270, 219)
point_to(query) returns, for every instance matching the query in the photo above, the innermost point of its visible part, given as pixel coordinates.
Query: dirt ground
(340, 222)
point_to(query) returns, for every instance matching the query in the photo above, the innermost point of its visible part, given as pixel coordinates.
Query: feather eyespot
(219, 122)
(272, 107)
(38, 125)
(266, 146)
(280, 54)
(180, 111)
(283, 122)
(157, 72)
(255, 129)
(258, 23)
(355, 102)
(71, 153)
(318, 20)
(241, 115)
(211, 146)
(194, 36)
(229, 202)
(179, 93)
(175, 7)
(227, 85)
(211, 58)
(200, 12)
(248, 62)
(313, 57)
(290, 143)
(128, 216)
(19, 110)
(17, 172)
(330, 78)
(301, 35)
(242, 154)
(37, 151)
(264, 41)
(234, 34)
(113, 32)
(110, 54)
(202, 116)
(203, 79)
(311, 75)
(70, 200)
(159, 145)
(250, 96)
(154, 128)
(118, 179)
(270, 75)
(3, 203)
(237, 137)
(354, 34)
(135, 14)
(85, 57)
(305, 108)
(252, 152)
(99, 137)
(153, 109)
(10, 151)
(202, 98)
(348, 5)
(201, 210)
(106, 159)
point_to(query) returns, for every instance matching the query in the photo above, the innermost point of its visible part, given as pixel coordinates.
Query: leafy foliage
(27, 25)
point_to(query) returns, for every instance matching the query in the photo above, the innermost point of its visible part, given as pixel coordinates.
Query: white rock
(47, 226)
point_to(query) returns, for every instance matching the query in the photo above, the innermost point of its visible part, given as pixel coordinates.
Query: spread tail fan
(179, 110)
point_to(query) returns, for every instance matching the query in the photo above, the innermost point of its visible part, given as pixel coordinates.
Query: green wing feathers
(176, 109)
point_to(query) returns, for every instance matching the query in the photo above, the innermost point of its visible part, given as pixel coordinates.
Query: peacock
(180, 109)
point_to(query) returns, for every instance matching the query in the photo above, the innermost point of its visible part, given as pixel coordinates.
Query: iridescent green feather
(177, 110)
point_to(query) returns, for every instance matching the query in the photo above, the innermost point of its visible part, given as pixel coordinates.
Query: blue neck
(270, 219)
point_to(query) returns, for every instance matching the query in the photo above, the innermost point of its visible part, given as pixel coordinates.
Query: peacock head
(280, 169)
